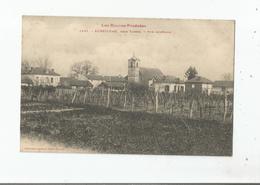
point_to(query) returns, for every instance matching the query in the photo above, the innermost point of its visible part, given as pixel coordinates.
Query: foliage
(83, 68)
(42, 62)
(191, 73)
(137, 88)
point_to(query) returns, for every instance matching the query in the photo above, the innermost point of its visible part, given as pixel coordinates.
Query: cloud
(207, 45)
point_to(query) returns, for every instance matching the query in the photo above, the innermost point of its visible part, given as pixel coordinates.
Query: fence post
(156, 101)
(85, 96)
(225, 106)
(74, 97)
(133, 103)
(108, 96)
(125, 100)
(191, 107)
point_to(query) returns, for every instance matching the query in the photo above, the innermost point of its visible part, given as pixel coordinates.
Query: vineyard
(183, 105)
(105, 130)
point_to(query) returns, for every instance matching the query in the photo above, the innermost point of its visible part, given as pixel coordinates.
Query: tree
(42, 62)
(25, 66)
(191, 73)
(83, 68)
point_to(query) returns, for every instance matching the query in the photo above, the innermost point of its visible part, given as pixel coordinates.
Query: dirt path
(54, 110)
(36, 145)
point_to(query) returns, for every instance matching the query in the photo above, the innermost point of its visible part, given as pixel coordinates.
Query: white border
(244, 166)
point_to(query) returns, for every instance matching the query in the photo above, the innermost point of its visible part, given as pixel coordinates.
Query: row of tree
(78, 69)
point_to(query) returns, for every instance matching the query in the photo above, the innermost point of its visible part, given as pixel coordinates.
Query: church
(152, 77)
(137, 74)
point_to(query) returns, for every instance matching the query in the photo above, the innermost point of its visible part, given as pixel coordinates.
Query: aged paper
(127, 85)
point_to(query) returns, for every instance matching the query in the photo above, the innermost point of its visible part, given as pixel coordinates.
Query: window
(175, 88)
(167, 88)
(192, 85)
(51, 80)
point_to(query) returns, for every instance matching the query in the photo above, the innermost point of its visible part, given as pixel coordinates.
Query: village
(152, 78)
(144, 112)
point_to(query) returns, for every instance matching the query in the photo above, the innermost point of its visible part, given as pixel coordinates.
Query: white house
(41, 76)
(168, 84)
(198, 84)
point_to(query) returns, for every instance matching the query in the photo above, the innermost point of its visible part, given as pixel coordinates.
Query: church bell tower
(133, 69)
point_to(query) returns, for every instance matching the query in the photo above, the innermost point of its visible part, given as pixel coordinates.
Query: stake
(85, 96)
(108, 97)
(125, 101)
(73, 99)
(156, 102)
(225, 106)
(133, 103)
(191, 108)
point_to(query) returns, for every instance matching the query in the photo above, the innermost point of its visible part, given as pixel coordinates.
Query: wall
(173, 87)
(207, 88)
(44, 80)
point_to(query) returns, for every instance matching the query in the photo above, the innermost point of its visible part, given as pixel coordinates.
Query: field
(104, 130)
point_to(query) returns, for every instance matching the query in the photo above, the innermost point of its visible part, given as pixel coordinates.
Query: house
(72, 83)
(168, 84)
(115, 86)
(96, 80)
(198, 84)
(222, 87)
(141, 75)
(114, 82)
(41, 76)
(26, 81)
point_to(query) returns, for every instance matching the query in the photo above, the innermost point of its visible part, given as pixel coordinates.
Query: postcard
(127, 85)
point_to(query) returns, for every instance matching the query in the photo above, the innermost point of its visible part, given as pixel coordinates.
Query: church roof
(199, 79)
(150, 73)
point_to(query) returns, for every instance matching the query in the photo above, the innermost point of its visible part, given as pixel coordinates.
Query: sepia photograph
(127, 86)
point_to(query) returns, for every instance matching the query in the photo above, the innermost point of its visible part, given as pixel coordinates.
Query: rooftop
(68, 81)
(40, 71)
(199, 79)
(150, 73)
(169, 79)
(223, 84)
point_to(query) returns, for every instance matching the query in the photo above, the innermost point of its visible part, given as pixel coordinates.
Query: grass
(111, 131)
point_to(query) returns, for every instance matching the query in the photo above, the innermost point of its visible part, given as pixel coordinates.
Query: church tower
(133, 69)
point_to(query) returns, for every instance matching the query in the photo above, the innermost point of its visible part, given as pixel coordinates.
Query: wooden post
(125, 100)
(74, 97)
(85, 96)
(225, 106)
(200, 104)
(108, 97)
(133, 103)
(191, 108)
(156, 101)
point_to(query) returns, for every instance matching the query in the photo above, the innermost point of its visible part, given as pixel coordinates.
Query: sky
(172, 45)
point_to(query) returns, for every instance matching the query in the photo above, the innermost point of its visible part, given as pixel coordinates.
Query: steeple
(133, 69)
